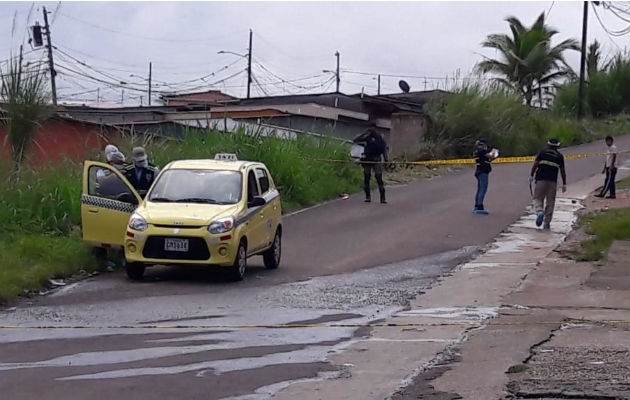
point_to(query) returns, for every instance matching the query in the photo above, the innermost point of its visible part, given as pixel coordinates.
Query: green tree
(593, 59)
(527, 62)
(25, 104)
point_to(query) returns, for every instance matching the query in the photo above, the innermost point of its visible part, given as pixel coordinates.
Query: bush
(606, 92)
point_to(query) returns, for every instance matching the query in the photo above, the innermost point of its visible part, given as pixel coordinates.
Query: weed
(606, 227)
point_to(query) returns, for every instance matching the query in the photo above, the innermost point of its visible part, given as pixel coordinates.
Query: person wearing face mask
(141, 173)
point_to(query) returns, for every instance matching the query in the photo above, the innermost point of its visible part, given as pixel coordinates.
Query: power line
(610, 33)
(106, 29)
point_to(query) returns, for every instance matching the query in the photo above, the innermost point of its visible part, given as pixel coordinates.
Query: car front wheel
(237, 270)
(135, 271)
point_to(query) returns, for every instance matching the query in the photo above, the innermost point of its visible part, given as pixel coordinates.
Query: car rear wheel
(135, 271)
(237, 270)
(272, 256)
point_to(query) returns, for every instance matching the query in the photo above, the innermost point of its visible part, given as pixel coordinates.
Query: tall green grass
(501, 117)
(606, 91)
(607, 227)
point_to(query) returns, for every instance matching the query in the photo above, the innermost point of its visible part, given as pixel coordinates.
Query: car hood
(185, 214)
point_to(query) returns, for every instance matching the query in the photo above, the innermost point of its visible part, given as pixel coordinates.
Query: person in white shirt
(610, 169)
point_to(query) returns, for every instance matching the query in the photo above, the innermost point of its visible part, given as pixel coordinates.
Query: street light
(231, 52)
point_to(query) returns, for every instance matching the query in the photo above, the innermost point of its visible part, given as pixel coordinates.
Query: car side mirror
(257, 202)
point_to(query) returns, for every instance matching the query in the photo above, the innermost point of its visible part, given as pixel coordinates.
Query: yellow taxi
(212, 212)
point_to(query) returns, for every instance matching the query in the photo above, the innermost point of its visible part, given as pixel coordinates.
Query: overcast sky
(293, 41)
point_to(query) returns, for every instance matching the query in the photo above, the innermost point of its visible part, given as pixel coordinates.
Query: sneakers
(480, 210)
(539, 218)
(546, 227)
(599, 195)
(368, 200)
(611, 197)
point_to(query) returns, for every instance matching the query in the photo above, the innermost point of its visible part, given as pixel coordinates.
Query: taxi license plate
(176, 245)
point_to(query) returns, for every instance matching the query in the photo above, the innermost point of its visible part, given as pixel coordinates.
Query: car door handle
(93, 210)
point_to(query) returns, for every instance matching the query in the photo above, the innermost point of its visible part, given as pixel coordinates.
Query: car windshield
(197, 186)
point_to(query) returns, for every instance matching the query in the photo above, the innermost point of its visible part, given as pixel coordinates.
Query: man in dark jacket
(483, 156)
(546, 167)
(375, 151)
(141, 173)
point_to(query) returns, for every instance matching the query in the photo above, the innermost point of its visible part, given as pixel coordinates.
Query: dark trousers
(609, 183)
(378, 174)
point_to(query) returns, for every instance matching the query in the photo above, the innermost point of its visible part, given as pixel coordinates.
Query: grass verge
(606, 227)
(30, 260)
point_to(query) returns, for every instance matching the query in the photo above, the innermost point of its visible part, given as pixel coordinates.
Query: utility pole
(249, 64)
(150, 67)
(122, 97)
(338, 77)
(98, 95)
(580, 110)
(51, 63)
(379, 85)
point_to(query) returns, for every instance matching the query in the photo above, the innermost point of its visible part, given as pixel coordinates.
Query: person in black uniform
(546, 166)
(141, 173)
(375, 150)
(483, 157)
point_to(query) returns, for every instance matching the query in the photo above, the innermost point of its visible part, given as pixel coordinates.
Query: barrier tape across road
(500, 160)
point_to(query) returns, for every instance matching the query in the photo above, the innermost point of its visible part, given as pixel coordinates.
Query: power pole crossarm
(51, 63)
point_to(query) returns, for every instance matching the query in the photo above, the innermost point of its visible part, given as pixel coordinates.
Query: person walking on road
(375, 150)
(141, 173)
(610, 169)
(483, 157)
(545, 172)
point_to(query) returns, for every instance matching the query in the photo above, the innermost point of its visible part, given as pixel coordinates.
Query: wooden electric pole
(51, 63)
(379, 85)
(150, 68)
(249, 64)
(580, 110)
(338, 76)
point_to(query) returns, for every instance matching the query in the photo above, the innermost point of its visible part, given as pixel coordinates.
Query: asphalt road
(343, 261)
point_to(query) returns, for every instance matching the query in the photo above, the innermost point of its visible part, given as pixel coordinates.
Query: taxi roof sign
(226, 157)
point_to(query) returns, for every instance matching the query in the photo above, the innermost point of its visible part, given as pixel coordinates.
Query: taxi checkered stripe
(107, 203)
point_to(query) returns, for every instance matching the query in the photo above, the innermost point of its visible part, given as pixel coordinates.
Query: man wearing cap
(141, 173)
(545, 172)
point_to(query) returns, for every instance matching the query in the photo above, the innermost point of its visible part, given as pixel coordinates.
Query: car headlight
(221, 225)
(137, 223)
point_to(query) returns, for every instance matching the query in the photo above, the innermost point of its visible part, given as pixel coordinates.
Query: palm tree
(24, 104)
(527, 62)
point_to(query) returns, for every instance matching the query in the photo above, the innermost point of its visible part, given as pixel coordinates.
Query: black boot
(382, 193)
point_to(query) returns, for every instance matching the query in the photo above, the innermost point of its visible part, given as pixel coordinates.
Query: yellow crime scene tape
(500, 160)
(316, 325)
